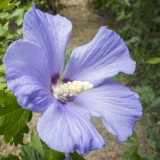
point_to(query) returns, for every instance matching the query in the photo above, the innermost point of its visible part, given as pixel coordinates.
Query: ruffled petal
(51, 33)
(27, 76)
(102, 58)
(66, 131)
(118, 105)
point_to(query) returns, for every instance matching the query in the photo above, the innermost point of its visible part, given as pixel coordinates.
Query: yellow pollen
(71, 89)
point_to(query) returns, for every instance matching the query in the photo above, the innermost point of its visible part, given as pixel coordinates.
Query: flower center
(63, 92)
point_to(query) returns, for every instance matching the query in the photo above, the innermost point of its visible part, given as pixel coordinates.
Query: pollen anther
(69, 89)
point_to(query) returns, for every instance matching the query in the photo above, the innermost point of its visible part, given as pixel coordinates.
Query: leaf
(12, 116)
(19, 31)
(132, 40)
(51, 154)
(18, 138)
(29, 153)
(157, 19)
(4, 3)
(156, 102)
(131, 153)
(3, 86)
(4, 15)
(154, 137)
(9, 7)
(9, 157)
(143, 122)
(2, 79)
(147, 94)
(19, 14)
(153, 60)
(76, 156)
(149, 157)
(36, 143)
(2, 31)
(116, 79)
(133, 138)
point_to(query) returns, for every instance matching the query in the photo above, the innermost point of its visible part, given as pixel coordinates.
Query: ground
(85, 25)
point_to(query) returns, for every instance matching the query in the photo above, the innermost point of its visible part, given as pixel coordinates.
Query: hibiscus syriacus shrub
(34, 67)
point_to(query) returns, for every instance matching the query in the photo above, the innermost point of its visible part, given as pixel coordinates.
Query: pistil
(63, 91)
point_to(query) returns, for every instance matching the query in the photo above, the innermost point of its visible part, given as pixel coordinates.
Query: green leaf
(51, 154)
(9, 157)
(19, 15)
(131, 153)
(143, 122)
(76, 156)
(149, 157)
(154, 137)
(153, 60)
(156, 102)
(9, 7)
(116, 79)
(3, 86)
(132, 40)
(12, 116)
(4, 3)
(19, 31)
(2, 79)
(36, 143)
(29, 153)
(18, 138)
(147, 94)
(4, 15)
(2, 31)
(157, 19)
(133, 138)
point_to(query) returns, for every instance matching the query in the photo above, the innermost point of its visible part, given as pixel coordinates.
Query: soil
(86, 23)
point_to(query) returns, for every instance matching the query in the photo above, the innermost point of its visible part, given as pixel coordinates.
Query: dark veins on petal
(55, 78)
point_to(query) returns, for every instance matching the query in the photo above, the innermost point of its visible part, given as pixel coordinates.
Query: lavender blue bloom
(33, 68)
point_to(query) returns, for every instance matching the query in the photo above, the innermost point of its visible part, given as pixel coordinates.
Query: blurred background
(138, 23)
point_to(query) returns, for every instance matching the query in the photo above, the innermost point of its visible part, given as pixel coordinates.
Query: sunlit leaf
(153, 60)
(2, 68)
(4, 3)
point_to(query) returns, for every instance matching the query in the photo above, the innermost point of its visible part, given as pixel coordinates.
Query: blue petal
(27, 76)
(118, 105)
(102, 58)
(68, 157)
(66, 131)
(51, 33)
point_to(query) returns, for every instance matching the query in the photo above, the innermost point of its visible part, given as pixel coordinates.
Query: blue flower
(33, 69)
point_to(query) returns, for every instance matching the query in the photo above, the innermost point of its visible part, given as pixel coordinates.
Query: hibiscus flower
(35, 64)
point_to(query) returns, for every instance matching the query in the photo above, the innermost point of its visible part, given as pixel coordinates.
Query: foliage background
(140, 28)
